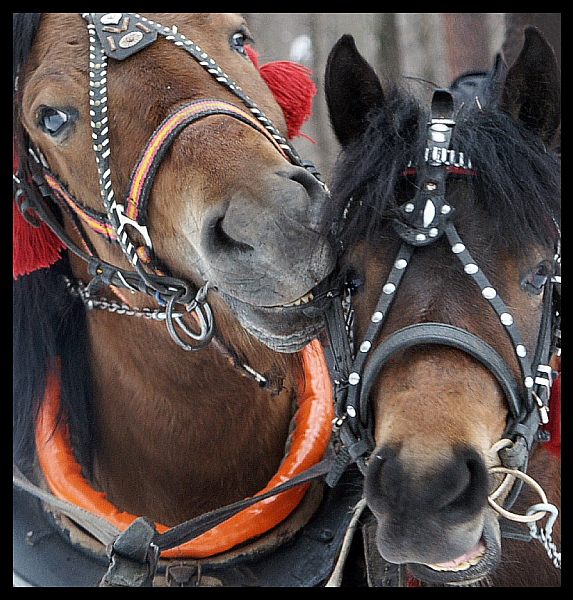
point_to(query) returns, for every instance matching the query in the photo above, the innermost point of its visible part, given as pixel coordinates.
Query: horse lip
(267, 324)
(491, 537)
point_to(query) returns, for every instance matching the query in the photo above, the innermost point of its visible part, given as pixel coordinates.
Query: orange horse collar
(311, 436)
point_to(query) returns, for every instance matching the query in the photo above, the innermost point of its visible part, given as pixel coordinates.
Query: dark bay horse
(451, 237)
(154, 149)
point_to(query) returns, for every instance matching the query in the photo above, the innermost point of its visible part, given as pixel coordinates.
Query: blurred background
(436, 47)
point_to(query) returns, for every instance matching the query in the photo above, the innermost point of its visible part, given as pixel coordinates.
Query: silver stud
(457, 248)
(528, 381)
(446, 209)
(111, 18)
(420, 237)
(130, 39)
(489, 293)
(401, 263)
(389, 288)
(520, 350)
(376, 317)
(408, 207)
(471, 268)
(433, 232)
(506, 319)
(353, 378)
(365, 346)
(351, 411)
(430, 186)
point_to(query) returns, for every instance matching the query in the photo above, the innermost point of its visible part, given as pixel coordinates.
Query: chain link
(80, 290)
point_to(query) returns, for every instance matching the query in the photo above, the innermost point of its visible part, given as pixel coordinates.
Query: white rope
(534, 513)
(335, 579)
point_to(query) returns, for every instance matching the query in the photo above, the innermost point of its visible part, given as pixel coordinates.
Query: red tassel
(33, 247)
(554, 425)
(292, 87)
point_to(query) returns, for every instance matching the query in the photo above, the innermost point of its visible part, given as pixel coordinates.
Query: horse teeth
(302, 300)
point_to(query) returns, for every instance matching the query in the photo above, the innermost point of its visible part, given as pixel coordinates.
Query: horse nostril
(308, 205)
(221, 240)
(461, 487)
(456, 488)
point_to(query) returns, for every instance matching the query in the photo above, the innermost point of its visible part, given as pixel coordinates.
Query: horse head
(451, 223)
(221, 197)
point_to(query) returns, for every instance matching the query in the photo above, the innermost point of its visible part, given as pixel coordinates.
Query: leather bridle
(423, 221)
(118, 36)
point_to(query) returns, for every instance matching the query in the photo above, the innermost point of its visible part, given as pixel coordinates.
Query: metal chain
(80, 290)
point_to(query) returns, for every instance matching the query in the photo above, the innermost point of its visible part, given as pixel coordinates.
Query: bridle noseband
(423, 221)
(119, 36)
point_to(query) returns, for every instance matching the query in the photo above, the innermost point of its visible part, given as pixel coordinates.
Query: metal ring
(204, 316)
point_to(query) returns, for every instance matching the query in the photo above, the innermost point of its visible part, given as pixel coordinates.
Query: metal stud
(446, 209)
(471, 268)
(489, 293)
(353, 378)
(389, 288)
(408, 207)
(420, 237)
(528, 382)
(458, 248)
(365, 346)
(401, 263)
(111, 19)
(433, 232)
(130, 39)
(506, 319)
(376, 317)
(520, 350)
(351, 411)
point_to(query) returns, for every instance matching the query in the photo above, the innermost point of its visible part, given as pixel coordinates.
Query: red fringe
(33, 247)
(292, 87)
(554, 425)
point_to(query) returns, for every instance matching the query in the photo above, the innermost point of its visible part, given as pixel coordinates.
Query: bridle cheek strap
(143, 175)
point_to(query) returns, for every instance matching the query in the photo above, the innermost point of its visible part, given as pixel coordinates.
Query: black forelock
(517, 182)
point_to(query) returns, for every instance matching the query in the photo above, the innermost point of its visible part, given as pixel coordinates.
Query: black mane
(47, 322)
(518, 179)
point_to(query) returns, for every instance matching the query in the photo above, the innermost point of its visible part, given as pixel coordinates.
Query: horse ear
(532, 91)
(352, 89)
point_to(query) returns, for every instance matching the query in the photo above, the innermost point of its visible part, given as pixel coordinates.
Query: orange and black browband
(146, 168)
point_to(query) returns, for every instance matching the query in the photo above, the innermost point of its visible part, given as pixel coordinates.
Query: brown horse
(225, 243)
(451, 221)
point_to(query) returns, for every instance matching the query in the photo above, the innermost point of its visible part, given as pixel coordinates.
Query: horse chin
(466, 572)
(284, 329)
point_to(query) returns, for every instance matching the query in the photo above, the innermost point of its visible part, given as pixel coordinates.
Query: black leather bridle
(423, 221)
(118, 36)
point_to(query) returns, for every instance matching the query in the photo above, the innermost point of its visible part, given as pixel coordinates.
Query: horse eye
(535, 281)
(238, 41)
(52, 120)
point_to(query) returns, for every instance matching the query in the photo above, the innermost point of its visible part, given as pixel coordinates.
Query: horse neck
(179, 433)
